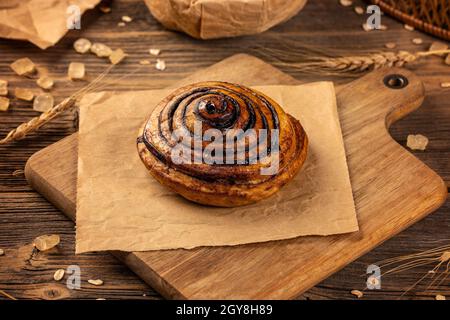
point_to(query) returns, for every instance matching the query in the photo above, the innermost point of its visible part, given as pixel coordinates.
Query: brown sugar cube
(76, 71)
(23, 94)
(3, 87)
(23, 67)
(43, 102)
(4, 104)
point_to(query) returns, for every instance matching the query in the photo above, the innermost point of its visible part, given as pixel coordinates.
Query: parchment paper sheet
(121, 207)
(210, 19)
(42, 22)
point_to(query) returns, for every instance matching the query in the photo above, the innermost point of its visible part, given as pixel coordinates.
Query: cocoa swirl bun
(199, 142)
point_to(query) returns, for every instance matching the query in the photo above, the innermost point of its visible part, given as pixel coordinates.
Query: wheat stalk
(352, 64)
(438, 257)
(7, 295)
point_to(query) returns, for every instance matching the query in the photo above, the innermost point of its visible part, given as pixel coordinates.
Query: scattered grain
(23, 94)
(100, 299)
(346, 3)
(3, 87)
(440, 297)
(2, 252)
(105, 9)
(45, 83)
(357, 293)
(95, 282)
(366, 27)
(383, 27)
(58, 275)
(121, 24)
(408, 27)
(76, 71)
(101, 50)
(374, 281)
(18, 173)
(390, 45)
(46, 242)
(127, 19)
(43, 102)
(417, 41)
(445, 84)
(359, 10)
(144, 62)
(117, 56)
(154, 52)
(417, 142)
(82, 45)
(160, 65)
(4, 104)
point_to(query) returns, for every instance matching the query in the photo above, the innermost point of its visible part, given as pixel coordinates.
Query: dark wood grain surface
(24, 214)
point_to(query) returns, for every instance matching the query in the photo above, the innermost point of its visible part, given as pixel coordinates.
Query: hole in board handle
(395, 81)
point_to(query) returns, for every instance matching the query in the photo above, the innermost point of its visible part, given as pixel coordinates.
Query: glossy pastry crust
(225, 108)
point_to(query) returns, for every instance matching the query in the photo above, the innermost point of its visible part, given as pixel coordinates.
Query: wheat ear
(357, 64)
(34, 124)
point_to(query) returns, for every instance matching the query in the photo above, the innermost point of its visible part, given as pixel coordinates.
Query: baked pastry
(222, 144)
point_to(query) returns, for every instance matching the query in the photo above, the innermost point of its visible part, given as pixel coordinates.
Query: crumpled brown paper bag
(42, 22)
(120, 206)
(210, 19)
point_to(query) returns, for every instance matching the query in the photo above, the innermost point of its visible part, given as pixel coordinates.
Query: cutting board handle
(382, 97)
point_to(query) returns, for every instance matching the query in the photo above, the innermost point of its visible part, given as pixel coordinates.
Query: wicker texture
(431, 16)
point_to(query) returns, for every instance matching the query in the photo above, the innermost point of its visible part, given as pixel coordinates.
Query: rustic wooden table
(24, 214)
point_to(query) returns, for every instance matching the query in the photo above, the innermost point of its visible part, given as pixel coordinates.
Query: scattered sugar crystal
(46, 242)
(82, 45)
(127, 19)
(4, 104)
(417, 41)
(23, 94)
(43, 102)
(121, 24)
(101, 50)
(45, 83)
(390, 45)
(160, 65)
(408, 27)
(117, 56)
(3, 87)
(417, 142)
(23, 66)
(76, 70)
(154, 52)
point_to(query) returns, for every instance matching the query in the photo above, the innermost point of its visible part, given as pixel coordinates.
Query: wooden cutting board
(392, 190)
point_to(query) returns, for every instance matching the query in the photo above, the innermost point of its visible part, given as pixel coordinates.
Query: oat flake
(58, 275)
(96, 282)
